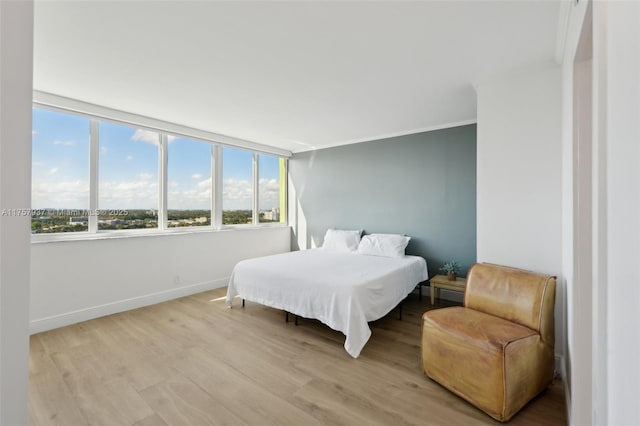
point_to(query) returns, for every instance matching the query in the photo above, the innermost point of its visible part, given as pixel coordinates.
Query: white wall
(604, 336)
(620, 117)
(519, 175)
(578, 238)
(519, 170)
(16, 69)
(73, 281)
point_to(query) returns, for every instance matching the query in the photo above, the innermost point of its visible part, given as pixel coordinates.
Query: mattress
(343, 290)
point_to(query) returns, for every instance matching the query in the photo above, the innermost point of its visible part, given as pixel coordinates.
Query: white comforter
(344, 291)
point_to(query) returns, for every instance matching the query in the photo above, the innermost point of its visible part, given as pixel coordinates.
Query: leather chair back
(523, 297)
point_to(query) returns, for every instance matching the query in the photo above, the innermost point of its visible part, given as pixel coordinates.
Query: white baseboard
(68, 318)
(567, 391)
(559, 366)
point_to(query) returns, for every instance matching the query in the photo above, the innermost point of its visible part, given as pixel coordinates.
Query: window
(189, 187)
(60, 172)
(128, 181)
(237, 186)
(270, 192)
(95, 175)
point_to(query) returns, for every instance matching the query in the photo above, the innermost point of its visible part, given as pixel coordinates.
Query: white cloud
(38, 164)
(145, 176)
(269, 193)
(146, 136)
(204, 184)
(129, 158)
(34, 132)
(103, 150)
(197, 196)
(138, 194)
(58, 195)
(141, 193)
(149, 136)
(64, 143)
(196, 176)
(190, 199)
(237, 194)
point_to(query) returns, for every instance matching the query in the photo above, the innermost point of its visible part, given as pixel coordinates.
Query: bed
(343, 290)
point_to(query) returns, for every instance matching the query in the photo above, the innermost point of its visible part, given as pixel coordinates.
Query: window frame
(163, 171)
(282, 207)
(164, 129)
(94, 191)
(254, 206)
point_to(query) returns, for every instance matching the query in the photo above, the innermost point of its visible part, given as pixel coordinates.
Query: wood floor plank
(328, 398)
(63, 338)
(184, 403)
(35, 343)
(50, 400)
(276, 373)
(101, 390)
(252, 402)
(152, 420)
(192, 361)
(115, 400)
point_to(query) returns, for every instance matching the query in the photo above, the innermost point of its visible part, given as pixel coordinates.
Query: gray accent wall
(422, 185)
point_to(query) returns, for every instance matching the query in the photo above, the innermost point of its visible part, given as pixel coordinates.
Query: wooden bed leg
(286, 316)
(400, 306)
(296, 320)
(243, 303)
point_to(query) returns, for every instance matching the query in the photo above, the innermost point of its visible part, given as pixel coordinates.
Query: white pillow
(387, 245)
(341, 241)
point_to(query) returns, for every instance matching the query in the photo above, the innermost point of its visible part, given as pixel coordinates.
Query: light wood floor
(191, 361)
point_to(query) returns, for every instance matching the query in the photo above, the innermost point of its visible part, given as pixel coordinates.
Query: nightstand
(441, 281)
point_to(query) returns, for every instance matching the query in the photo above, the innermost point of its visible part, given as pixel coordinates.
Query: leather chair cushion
(484, 331)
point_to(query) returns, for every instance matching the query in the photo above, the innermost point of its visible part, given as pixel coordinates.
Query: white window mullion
(163, 182)
(256, 171)
(284, 206)
(216, 186)
(94, 156)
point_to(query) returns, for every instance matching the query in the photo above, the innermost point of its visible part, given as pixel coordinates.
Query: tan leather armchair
(497, 351)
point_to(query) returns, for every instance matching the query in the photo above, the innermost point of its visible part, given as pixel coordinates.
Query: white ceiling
(295, 75)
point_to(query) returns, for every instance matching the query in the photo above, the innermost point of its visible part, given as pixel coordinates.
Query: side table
(441, 281)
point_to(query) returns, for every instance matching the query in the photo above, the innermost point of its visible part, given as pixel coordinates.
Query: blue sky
(128, 169)
(60, 172)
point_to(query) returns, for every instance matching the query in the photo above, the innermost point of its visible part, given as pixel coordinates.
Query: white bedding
(343, 290)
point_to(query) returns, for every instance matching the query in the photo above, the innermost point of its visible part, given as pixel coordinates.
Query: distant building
(274, 215)
(78, 220)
